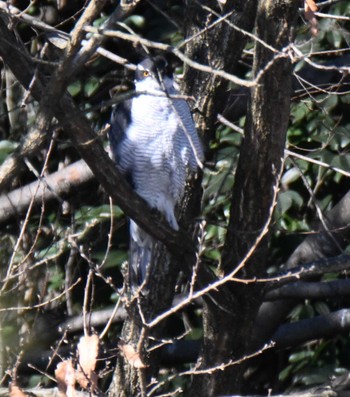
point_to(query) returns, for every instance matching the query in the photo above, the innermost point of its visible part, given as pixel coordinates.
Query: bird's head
(151, 75)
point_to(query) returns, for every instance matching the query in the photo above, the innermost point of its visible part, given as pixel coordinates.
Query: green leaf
(213, 254)
(56, 280)
(91, 86)
(342, 161)
(285, 373)
(137, 21)
(99, 22)
(300, 356)
(75, 88)
(292, 175)
(88, 214)
(6, 148)
(287, 199)
(322, 308)
(115, 258)
(314, 378)
(300, 111)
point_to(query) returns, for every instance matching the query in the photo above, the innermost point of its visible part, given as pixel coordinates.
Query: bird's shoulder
(120, 121)
(121, 117)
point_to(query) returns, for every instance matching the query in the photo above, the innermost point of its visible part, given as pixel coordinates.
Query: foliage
(48, 253)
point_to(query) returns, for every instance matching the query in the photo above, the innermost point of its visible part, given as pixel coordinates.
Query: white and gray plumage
(155, 144)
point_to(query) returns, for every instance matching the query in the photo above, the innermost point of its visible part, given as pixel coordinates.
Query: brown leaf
(310, 4)
(310, 7)
(87, 351)
(16, 391)
(65, 376)
(131, 355)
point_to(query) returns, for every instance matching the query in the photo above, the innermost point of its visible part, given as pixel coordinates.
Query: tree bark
(214, 47)
(129, 379)
(54, 186)
(226, 336)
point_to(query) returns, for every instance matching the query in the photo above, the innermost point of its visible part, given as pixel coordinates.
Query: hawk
(155, 144)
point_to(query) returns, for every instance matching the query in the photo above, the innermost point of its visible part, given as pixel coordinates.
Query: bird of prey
(155, 144)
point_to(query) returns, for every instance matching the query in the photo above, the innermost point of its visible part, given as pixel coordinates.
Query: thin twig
(317, 162)
(110, 235)
(43, 304)
(110, 321)
(211, 370)
(332, 16)
(174, 50)
(306, 58)
(318, 209)
(86, 310)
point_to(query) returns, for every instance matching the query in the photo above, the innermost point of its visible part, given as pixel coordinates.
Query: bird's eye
(146, 73)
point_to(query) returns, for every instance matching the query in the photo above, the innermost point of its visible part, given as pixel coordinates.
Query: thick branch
(313, 270)
(325, 326)
(310, 290)
(316, 246)
(53, 186)
(320, 244)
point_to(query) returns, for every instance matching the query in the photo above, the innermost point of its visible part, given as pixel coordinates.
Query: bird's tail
(140, 255)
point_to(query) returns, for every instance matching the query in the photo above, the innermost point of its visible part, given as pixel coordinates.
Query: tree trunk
(213, 47)
(226, 335)
(129, 379)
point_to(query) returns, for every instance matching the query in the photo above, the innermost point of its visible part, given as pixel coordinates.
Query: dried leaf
(87, 351)
(131, 355)
(65, 376)
(310, 7)
(16, 391)
(310, 4)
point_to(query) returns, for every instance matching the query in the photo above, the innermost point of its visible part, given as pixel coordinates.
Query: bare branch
(310, 290)
(174, 50)
(54, 186)
(317, 162)
(325, 326)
